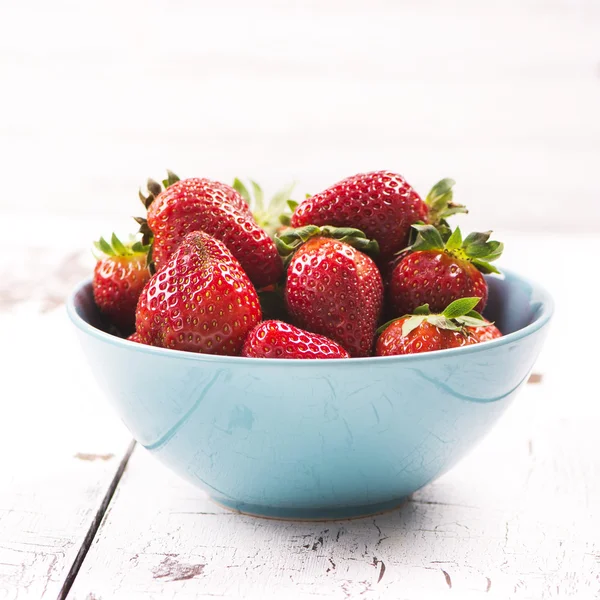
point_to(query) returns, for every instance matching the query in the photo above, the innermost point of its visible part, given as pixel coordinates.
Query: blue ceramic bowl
(317, 439)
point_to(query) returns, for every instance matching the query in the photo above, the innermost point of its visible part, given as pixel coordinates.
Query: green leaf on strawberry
(117, 244)
(170, 180)
(259, 196)
(153, 189)
(269, 215)
(412, 323)
(104, 247)
(460, 307)
(441, 202)
(472, 319)
(289, 241)
(428, 238)
(242, 190)
(455, 316)
(475, 248)
(116, 248)
(422, 310)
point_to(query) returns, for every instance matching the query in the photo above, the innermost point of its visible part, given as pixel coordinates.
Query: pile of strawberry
(215, 273)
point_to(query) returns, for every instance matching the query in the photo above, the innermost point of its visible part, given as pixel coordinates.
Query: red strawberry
(275, 339)
(381, 204)
(425, 332)
(119, 277)
(200, 301)
(485, 332)
(438, 272)
(332, 288)
(134, 337)
(217, 209)
(424, 338)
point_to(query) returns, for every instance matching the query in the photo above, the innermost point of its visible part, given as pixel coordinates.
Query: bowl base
(310, 514)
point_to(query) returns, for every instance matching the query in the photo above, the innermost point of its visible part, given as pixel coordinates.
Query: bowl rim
(540, 292)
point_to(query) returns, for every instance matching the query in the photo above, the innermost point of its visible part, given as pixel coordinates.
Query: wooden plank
(517, 518)
(61, 445)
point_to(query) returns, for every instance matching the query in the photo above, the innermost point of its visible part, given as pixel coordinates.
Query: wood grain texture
(516, 519)
(502, 96)
(60, 444)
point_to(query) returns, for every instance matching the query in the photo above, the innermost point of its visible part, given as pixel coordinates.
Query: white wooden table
(86, 515)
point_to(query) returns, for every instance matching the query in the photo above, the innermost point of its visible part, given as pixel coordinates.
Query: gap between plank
(91, 534)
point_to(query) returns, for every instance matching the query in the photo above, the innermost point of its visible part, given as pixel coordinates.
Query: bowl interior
(514, 303)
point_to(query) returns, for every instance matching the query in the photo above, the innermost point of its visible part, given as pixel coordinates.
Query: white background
(96, 96)
(502, 96)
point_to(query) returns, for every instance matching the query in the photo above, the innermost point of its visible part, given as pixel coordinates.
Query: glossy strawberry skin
(424, 338)
(134, 337)
(427, 337)
(458, 339)
(381, 204)
(484, 334)
(276, 339)
(117, 284)
(200, 301)
(433, 277)
(335, 290)
(217, 209)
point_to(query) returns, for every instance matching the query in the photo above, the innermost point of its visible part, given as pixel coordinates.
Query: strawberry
(119, 276)
(275, 339)
(134, 337)
(437, 272)
(425, 332)
(200, 301)
(218, 210)
(381, 204)
(485, 332)
(424, 338)
(332, 288)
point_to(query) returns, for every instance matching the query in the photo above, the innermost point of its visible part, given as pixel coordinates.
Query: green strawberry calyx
(285, 218)
(117, 249)
(153, 189)
(476, 248)
(440, 201)
(268, 215)
(288, 241)
(455, 317)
